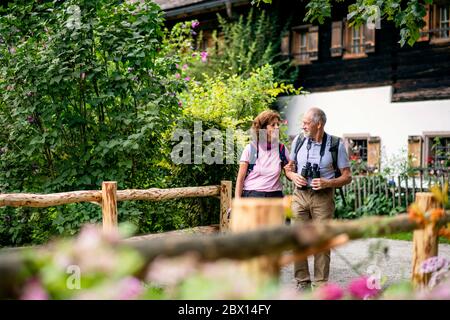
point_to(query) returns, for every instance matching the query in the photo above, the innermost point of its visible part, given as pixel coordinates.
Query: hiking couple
(317, 164)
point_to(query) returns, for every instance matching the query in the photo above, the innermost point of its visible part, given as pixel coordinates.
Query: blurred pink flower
(170, 271)
(330, 291)
(180, 104)
(177, 75)
(434, 264)
(195, 24)
(185, 66)
(204, 56)
(33, 290)
(187, 79)
(360, 289)
(285, 122)
(129, 288)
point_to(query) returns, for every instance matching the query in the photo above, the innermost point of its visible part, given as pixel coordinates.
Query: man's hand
(320, 183)
(298, 180)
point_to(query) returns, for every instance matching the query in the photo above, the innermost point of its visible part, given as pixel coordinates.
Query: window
(415, 151)
(357, 40)
(358, 149)
(350, 41)
(305, 44)
(437, 24)
(444, 31)
(364, 152)
(206, 40)
(437, 148)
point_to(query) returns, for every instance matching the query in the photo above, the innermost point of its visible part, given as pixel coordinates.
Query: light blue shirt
(326, 164)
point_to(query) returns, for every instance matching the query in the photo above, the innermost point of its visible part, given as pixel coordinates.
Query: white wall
(370, 110)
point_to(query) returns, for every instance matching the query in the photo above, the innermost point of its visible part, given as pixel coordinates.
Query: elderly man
(319, 165)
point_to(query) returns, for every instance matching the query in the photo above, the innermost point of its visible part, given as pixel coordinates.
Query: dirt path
(392, 258)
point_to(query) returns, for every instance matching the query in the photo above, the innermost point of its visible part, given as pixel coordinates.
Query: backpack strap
(298, 144)
(334, 148)
(253, 157)
(282, 153)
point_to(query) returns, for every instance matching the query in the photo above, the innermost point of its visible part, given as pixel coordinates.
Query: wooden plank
(358, 187)
(225, 205)
(364, 189)
(109, 206)
(425, 242)
(406, 191)
(421, 180)
(379, 185)
(252, 214)
(155, 194)
(48, 200)
(56, 199)
(393, 196)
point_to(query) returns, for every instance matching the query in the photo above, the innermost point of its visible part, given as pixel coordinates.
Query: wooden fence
(109, 196)
(248, 214)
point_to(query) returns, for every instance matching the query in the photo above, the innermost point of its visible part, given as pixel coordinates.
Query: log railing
(306, 239)
(250, 238)
(109, 196)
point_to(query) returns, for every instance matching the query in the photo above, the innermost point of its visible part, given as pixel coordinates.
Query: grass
(408, 237)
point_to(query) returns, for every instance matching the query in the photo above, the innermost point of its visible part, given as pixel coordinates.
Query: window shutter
(313, 43)
(424, 35)
(373, 152)
(435, 18)
(285, 45)
(336, 39)
(295, 49)
(369, 39)
(347, 38)
(415, 151)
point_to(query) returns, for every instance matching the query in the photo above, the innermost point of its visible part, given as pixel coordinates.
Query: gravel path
(392, 258)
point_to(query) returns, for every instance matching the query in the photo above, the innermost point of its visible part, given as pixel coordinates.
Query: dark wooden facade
(421, 72)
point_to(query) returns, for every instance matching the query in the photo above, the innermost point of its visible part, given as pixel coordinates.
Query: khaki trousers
(310, 205)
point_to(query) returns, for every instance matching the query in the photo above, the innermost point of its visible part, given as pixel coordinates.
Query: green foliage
(407, 15)
(93, 91)
(374, 204)
(233, 100)
(87, 93)
(239, 47)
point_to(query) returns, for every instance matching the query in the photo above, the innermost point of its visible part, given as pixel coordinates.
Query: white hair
(318, 115)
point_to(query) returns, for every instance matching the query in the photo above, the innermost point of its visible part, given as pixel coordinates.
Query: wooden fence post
(425, 241)
(254, 213)
(109, 205)
(225, 205)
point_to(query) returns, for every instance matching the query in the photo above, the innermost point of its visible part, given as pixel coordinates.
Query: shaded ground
(392, 258)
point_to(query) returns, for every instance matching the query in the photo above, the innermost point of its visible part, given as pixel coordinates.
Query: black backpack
(334, 148)
(254, 155)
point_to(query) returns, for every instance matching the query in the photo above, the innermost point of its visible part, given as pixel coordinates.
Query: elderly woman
(262, 160)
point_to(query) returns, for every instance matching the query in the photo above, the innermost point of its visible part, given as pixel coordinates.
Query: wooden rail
(109, 196)
(305, 239)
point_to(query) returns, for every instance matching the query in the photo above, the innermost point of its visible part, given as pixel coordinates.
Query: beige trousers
(310, 205)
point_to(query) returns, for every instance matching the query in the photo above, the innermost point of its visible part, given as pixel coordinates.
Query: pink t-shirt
(265, 175)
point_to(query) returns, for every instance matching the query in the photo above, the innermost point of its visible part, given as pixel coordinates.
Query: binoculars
(309, 171)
